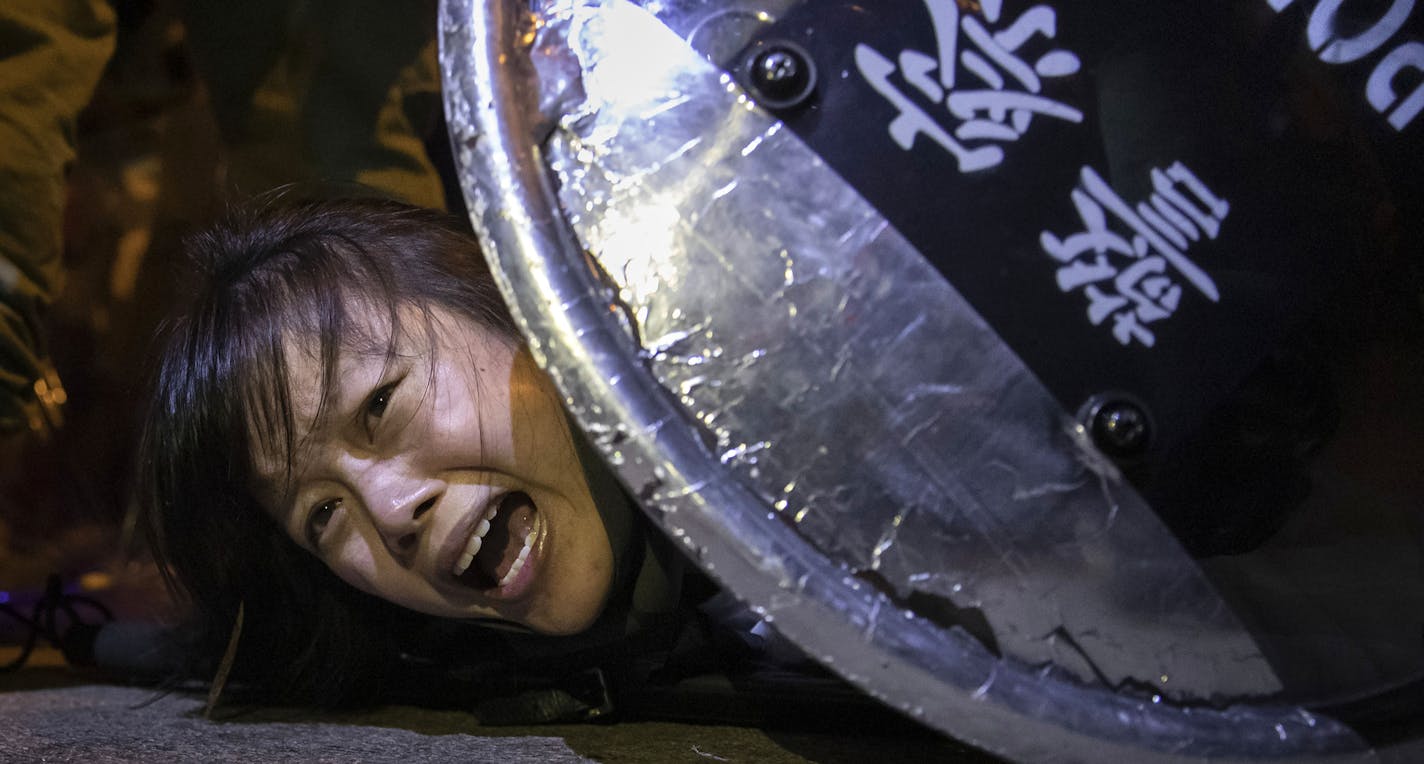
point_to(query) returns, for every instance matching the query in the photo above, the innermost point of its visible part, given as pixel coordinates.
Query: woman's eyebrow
(341, 402)
(276, 490)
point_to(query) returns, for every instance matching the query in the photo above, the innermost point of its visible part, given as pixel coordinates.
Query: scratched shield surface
(820, 389)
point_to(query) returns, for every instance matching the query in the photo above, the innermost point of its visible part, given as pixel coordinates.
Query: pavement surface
(50, 713)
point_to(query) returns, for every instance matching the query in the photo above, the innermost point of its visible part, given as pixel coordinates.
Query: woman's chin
(564, 620)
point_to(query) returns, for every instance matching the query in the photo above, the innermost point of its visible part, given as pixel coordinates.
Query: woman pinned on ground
(349, 443)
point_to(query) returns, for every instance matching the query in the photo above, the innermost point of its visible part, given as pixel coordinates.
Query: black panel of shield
(1187, 218)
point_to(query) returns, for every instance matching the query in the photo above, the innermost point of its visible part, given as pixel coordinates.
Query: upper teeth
(472, 547)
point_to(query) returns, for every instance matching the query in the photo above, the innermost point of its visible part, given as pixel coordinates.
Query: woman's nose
(402, 535)
(397, 505)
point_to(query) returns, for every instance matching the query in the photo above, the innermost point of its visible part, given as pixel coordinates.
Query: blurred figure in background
(192, 101)
(52, 53)
(334, 91)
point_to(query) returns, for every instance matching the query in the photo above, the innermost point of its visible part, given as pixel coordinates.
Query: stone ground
(53, 714)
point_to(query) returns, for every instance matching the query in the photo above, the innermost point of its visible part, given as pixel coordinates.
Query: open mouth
(501, 544)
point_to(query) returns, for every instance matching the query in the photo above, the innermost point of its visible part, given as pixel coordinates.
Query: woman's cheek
(354, 564)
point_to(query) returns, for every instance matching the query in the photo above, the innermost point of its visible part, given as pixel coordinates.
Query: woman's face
(444, 479)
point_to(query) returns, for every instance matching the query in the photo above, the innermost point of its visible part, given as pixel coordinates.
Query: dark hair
(270, 269)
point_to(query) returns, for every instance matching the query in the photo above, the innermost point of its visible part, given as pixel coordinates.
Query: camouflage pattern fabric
(52, 53)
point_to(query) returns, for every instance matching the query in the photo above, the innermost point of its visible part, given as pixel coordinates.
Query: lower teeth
(518, 561)
(513, 571)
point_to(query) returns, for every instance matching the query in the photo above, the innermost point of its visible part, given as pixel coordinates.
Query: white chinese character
(999, 107)
(1131, 276)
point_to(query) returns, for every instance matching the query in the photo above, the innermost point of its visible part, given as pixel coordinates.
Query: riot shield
(1052, 372)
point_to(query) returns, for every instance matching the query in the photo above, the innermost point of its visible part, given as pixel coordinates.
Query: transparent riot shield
(1052, 372)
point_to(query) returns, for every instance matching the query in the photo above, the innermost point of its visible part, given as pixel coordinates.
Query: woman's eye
(378, 402)
(319, 518)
